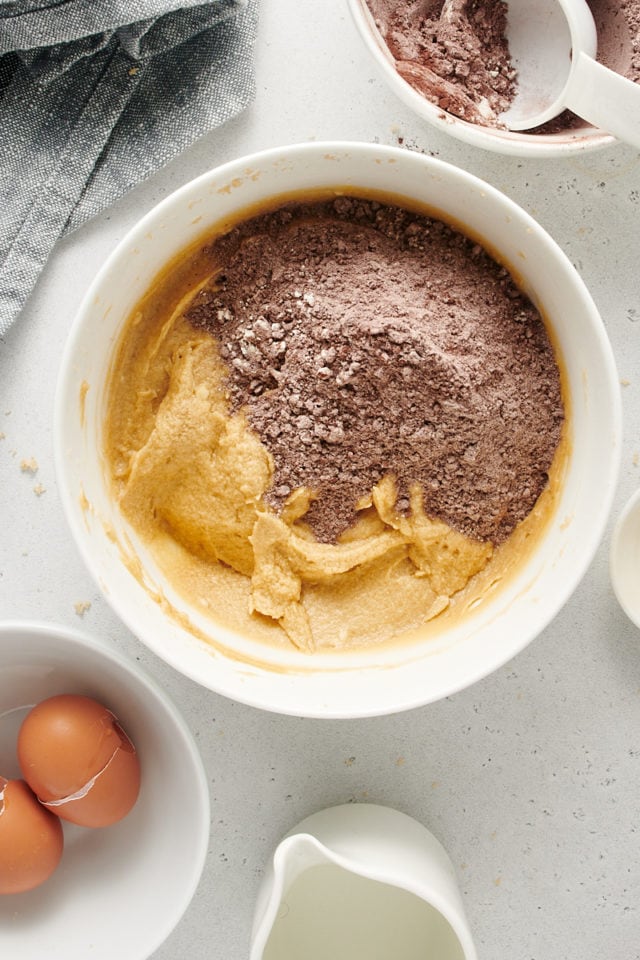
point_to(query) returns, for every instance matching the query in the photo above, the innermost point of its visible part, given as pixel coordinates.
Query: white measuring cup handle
(605, 99)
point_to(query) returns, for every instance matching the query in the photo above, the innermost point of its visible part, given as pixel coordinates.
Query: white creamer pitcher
(360, 882)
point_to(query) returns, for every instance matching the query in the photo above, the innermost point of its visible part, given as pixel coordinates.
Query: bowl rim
(73, 638)
(242, 690)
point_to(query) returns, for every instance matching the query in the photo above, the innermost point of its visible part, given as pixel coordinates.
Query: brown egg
(30, 839)
(79, 761)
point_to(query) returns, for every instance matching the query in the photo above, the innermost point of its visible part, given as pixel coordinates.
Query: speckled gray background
(531, 778)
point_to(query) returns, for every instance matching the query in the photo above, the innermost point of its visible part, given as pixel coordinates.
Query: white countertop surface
(530, 778)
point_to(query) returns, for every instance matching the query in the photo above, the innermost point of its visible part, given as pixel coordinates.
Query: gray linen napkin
(94, 97)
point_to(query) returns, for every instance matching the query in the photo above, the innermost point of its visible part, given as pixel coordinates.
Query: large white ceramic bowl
(367, 682)
(120, 890)
(560, 142)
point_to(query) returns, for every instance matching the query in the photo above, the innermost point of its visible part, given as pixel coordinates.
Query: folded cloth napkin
(95, 96)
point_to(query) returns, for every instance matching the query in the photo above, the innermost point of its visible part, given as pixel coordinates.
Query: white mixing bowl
(561, 142)
(373, 681)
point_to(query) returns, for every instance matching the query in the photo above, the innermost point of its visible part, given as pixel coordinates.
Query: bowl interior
(120, 890)
(373, 681)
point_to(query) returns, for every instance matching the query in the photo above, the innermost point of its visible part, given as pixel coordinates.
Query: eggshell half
(31, 839)
(78, 760)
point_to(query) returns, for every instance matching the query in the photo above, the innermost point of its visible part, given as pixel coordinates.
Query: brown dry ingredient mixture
(454, 53)
(365, 339)
(618, 26)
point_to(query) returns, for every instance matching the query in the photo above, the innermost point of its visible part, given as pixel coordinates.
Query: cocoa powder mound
(363, 340)
(455, 53)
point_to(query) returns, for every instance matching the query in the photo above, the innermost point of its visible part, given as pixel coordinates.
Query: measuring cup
(553, 44)
(360, 882)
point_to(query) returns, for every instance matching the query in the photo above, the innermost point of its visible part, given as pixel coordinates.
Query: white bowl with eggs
(568, 137)
(118, 890)
(359, 682)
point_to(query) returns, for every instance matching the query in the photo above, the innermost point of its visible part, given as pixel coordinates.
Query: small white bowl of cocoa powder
(450, 64)
(337, 429)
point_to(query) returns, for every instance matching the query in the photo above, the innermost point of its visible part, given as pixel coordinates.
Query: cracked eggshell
(31, 839)
(78, 760)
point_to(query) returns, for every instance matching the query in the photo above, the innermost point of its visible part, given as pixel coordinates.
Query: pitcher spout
(292, 857)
